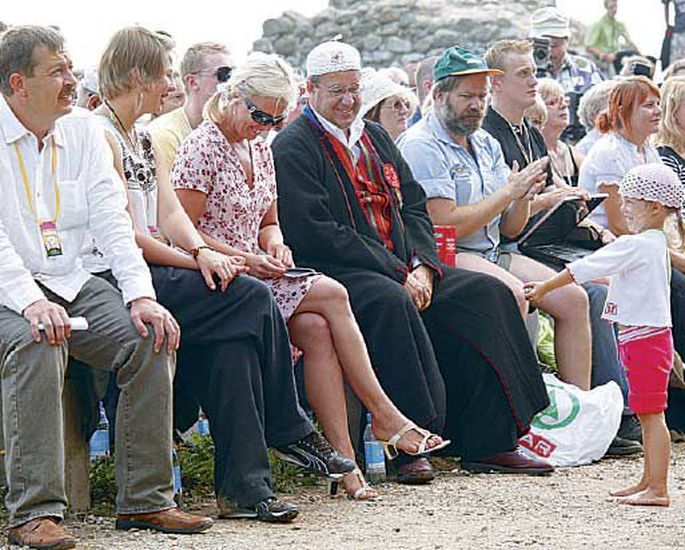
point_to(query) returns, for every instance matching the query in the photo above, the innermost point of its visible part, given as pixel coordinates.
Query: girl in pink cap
(638, 301)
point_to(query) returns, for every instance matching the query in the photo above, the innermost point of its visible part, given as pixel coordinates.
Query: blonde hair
(262, 75)
(548, 87)
(133, 50)
(195, 55)
(537, 110)
(675, 230)
(673, 96)
(497, 54)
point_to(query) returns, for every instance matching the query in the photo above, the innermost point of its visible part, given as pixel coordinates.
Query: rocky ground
(569, 509)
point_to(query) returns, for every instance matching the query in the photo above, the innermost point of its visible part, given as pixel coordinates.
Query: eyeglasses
(262, 118)
(561, 101)
(222, 74)
(399, 105)
(339, 93)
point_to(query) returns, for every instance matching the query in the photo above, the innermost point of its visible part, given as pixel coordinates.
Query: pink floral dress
(206, 162)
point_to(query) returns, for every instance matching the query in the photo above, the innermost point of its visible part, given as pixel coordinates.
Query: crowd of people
(227, 229)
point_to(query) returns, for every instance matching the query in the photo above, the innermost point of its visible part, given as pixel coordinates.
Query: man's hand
(282, 253)
(419, 286)
(528, 182)
(265, 266)
(226, 268)
(54, 318)
(146, 310)
(551, 198)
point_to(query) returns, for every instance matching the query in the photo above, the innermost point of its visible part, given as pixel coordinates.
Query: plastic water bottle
(178, 481)
(202, 425)
(373, 454)
(99, 441)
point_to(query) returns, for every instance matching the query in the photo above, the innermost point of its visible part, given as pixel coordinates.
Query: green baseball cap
(457, 61)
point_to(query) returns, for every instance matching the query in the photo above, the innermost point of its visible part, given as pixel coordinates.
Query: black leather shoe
(314, 453)
(630, 428)
(270, 510)
(623, 447)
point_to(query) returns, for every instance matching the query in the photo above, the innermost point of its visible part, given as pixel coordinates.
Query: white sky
(88, 25)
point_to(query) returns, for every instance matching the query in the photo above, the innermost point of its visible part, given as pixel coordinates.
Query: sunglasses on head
(262, 118)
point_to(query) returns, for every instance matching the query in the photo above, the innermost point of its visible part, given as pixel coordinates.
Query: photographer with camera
(550, 31)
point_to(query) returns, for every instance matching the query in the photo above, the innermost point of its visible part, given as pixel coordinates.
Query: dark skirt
(472, 337)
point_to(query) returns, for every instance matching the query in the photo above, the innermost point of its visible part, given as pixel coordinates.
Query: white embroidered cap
(333, 57)
(653, 182)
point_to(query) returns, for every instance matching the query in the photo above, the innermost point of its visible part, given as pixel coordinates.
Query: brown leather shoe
(166, 521)
(512, 462)
(416, 472)
(44, 533)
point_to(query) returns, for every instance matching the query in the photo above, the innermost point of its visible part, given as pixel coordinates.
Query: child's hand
(534, 291)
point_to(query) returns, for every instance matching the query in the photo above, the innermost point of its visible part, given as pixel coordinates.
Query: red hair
(627, 96)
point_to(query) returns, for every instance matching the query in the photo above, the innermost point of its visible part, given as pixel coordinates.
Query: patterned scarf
(376, 185)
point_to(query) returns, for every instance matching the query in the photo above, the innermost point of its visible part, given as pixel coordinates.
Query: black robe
(471, 336)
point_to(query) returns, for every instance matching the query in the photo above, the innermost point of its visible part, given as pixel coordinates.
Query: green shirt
(605, 34)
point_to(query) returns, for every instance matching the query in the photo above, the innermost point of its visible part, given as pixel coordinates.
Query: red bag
(446, 243)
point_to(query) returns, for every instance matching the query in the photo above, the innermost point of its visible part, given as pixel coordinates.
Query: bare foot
(410, 441)
(630, 490)
(648, 497)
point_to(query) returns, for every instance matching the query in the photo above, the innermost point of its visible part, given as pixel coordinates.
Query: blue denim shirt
(446, 170)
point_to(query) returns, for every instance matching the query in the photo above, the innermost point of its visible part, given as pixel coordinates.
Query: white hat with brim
(377, 87)
(549, 22)
(333, 57)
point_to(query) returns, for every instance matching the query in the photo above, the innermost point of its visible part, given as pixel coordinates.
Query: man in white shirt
(58, 184)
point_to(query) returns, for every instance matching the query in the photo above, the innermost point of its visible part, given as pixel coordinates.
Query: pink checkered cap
(654, 182)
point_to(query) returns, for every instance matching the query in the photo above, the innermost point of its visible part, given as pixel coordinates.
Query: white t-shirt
(640, 270)
(607, 162)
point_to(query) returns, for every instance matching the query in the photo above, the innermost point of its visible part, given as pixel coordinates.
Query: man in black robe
(350, 207)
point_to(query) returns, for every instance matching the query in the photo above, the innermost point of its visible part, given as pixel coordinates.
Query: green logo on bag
(563, 409)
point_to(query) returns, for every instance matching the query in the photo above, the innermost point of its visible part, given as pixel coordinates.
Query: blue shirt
(447, 170)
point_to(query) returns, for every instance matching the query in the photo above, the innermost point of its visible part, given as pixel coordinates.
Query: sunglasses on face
(222, 74)
(262, 118)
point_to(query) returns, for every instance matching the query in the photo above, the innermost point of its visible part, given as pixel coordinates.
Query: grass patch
(197, 471)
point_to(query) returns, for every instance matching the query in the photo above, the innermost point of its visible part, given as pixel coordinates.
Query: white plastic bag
(577, 427)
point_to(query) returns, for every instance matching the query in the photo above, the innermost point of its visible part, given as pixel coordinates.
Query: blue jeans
(605, 362)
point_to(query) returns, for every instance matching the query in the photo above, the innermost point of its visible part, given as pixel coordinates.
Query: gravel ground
(569, 509)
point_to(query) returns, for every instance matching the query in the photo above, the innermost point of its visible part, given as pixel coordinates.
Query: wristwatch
(196, 251)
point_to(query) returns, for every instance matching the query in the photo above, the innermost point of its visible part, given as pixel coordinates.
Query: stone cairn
(396, 32)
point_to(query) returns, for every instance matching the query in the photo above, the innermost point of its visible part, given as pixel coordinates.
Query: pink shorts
(647, 356)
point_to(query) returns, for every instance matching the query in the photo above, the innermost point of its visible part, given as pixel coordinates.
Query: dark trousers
(234, 362)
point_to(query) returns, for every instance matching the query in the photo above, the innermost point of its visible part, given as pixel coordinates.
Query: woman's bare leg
(324, 384)
(329, 299)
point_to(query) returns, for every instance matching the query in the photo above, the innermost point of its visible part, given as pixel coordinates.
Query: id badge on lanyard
(48, 228)
(51, 242)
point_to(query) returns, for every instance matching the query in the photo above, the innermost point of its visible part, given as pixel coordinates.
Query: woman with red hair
(632, 117)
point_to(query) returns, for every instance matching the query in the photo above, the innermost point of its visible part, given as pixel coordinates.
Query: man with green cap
(350, 207)
(470, 186)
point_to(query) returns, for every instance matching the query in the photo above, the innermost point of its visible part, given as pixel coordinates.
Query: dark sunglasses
(262, 118)
(222, 74)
